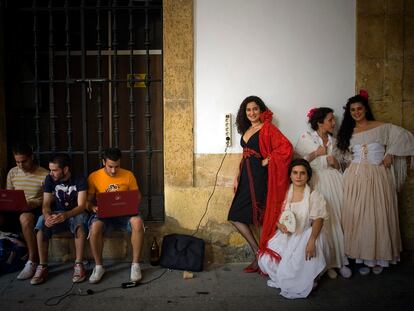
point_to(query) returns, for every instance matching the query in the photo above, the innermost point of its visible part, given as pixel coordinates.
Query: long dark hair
(242, 122)
(348, 123)
(319, 116)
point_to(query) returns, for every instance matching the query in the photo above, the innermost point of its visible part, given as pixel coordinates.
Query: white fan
(288, 219)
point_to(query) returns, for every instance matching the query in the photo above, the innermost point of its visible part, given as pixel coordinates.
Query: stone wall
(385, 67)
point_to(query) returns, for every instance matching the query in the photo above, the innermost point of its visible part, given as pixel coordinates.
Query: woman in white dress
(377, 168)
(318, 147)
(300, 253)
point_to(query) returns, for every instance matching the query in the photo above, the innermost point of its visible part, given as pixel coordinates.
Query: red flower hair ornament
(363, 93)
(266, 116)
(311, 112)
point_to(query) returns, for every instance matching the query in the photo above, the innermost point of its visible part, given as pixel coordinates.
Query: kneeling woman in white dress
(301, 252)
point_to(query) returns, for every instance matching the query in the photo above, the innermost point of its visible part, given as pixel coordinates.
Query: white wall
(294, 54)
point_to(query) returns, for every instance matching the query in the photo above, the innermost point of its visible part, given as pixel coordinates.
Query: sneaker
(79, 273)
(345, 272)
(332, 274)
(364, 270)
(40, 275)
(28, 271)
(377, 269)
(97, 274)
(136, 274)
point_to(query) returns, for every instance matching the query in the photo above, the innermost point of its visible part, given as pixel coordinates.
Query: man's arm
(46, 209)
(34, 203)
(90, 203)
(9, 182)
(61, 217)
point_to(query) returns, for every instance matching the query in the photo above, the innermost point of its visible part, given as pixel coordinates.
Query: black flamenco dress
(250, 198)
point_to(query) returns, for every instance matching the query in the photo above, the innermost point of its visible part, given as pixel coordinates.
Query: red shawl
(274, 144)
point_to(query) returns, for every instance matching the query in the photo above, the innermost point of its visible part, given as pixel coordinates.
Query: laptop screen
(118, 203)
(13, 201)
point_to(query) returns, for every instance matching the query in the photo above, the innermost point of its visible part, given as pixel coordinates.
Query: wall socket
(227, 129)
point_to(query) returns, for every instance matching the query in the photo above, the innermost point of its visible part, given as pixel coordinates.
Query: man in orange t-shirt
(113, 178)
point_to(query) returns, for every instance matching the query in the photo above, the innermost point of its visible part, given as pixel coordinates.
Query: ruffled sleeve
(305, 146)
(317, 208)
(399, 143)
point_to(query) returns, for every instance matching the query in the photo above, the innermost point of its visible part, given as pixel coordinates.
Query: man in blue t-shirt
(64, 202)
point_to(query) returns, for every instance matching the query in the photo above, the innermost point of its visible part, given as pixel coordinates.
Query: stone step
(117, 246)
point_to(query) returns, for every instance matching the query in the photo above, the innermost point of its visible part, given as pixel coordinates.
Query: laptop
(13, 201)
(118, 203)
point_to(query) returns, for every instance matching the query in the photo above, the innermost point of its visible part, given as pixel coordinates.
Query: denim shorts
(70, 224)
(121, 223)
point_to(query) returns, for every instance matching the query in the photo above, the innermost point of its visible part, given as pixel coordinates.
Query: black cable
(154, 279)
(211, 195)
(61, 297)
(92, 292)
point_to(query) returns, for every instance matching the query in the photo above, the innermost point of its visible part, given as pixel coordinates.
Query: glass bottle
(155, 253)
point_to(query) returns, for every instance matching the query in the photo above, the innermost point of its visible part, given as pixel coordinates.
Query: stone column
(178, 55)
(385, 67)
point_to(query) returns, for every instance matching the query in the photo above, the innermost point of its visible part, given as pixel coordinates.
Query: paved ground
(221, 287)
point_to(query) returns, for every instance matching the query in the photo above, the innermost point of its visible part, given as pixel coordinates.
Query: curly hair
(319, 116)
(348, 123)
(242, 122)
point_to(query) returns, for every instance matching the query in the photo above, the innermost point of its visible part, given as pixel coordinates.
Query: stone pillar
(178, 46)
(385, 67)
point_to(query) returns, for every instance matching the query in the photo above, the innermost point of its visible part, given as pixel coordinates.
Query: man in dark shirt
(64, 202)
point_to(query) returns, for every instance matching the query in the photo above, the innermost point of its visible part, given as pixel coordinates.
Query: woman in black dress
(250, 186)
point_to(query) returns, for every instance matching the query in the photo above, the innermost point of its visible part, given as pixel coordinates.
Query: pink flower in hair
(311, 112)
(363, 93)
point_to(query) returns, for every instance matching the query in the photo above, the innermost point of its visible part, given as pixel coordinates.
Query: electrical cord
(212, 193)
(48, 302)
(133, 284)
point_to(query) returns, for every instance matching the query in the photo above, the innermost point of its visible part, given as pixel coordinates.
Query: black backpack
(13, 253)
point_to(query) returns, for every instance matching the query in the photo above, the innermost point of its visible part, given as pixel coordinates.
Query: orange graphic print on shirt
(100, 181)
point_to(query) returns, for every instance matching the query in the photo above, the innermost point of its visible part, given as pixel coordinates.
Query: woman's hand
(332, 161)
(265, 161)
(320, 151)
(310, 250)
(282, 228)
(387, 161)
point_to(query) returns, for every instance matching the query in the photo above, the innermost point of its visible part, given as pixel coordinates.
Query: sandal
(252, 268)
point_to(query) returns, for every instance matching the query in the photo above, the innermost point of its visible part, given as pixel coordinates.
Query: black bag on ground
(13, 253)
(182, 252)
